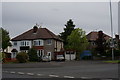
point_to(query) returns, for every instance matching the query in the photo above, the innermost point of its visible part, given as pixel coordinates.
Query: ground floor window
(26, 51)
(40, 53)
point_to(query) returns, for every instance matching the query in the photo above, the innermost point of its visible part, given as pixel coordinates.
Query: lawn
(112, 61)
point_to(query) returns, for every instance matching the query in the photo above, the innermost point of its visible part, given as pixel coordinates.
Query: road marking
(68, 77)
(12, 72)
(21, 73)
(85, 77)
(39, 74)
(106, 79)
(5, 71)
(31, 74)
(53, 75)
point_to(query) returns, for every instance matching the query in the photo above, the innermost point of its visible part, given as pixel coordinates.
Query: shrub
(2, 57)
(22, 57)
(32, 53)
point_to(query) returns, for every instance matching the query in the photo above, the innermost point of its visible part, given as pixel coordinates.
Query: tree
(32, 53)
(5, 39)
(101, 43)
(77, 41)
(69, 27)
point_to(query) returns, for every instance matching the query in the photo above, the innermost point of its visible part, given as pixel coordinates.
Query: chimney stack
(117, 36)
(35, 28)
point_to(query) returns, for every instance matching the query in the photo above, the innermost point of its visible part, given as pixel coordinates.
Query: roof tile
(42, 33)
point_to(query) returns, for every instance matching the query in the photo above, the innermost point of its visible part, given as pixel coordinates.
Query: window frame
(24, 43)
(38, 42)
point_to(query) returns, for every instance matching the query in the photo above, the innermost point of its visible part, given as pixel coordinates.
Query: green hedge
(22, 57)
(32, 53)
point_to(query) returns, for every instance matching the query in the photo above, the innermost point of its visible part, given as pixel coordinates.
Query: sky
(18, 17)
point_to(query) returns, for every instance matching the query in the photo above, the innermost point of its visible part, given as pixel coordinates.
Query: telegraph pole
(112, 43)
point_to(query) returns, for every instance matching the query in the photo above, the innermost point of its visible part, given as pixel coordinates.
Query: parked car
(60, 58)
(45, 59)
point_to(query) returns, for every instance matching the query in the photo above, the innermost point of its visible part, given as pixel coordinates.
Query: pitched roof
(92, 36)
(42, 33)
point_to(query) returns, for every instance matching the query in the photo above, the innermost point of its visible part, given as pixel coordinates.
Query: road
(67, 69)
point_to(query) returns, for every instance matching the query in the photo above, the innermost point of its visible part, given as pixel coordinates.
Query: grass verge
(112, 61)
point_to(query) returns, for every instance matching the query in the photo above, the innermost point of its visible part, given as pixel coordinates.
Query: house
(41, 39)
(116, 42)
(92, 37)
(8, 53)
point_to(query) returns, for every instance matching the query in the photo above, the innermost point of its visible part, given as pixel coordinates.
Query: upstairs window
(15, 43)
(24, 43)
(27, 43)
(49, 42)
(38, 42)
(35, 43)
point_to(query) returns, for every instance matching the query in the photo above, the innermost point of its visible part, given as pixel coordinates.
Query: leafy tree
(5, 39)
(32, 55)
(22, 57)
(77, 41)
(101, 43)
(69, 27)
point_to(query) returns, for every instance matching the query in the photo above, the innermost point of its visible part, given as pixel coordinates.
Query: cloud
(87, 15)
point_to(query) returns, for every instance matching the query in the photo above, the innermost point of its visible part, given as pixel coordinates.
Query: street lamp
(112, 45)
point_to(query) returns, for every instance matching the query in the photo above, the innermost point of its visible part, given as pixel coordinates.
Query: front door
(49, 55)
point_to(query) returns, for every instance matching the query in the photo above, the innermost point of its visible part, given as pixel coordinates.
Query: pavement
(65, 70)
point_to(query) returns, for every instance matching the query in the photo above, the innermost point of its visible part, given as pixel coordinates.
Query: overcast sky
(18, 17)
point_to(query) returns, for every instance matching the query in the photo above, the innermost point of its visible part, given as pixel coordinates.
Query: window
(49, 42)
(15, 43)
(27, 43)
(38, 42)
(40, 53)
(35, 43)
(24, 43)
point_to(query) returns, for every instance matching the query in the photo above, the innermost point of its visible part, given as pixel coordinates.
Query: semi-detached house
(42, 39)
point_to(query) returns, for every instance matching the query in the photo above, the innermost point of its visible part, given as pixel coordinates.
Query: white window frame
(38, 42)
(40, 52)
(24, 43)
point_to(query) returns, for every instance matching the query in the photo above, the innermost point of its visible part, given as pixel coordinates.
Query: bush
(22, 57)
(2, 57)
(32, 53)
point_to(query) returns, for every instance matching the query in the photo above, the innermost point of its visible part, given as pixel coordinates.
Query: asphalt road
(67, 69)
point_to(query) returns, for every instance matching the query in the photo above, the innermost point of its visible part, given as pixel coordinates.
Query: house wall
(58, 45)
(17, 47)
(49, 48)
